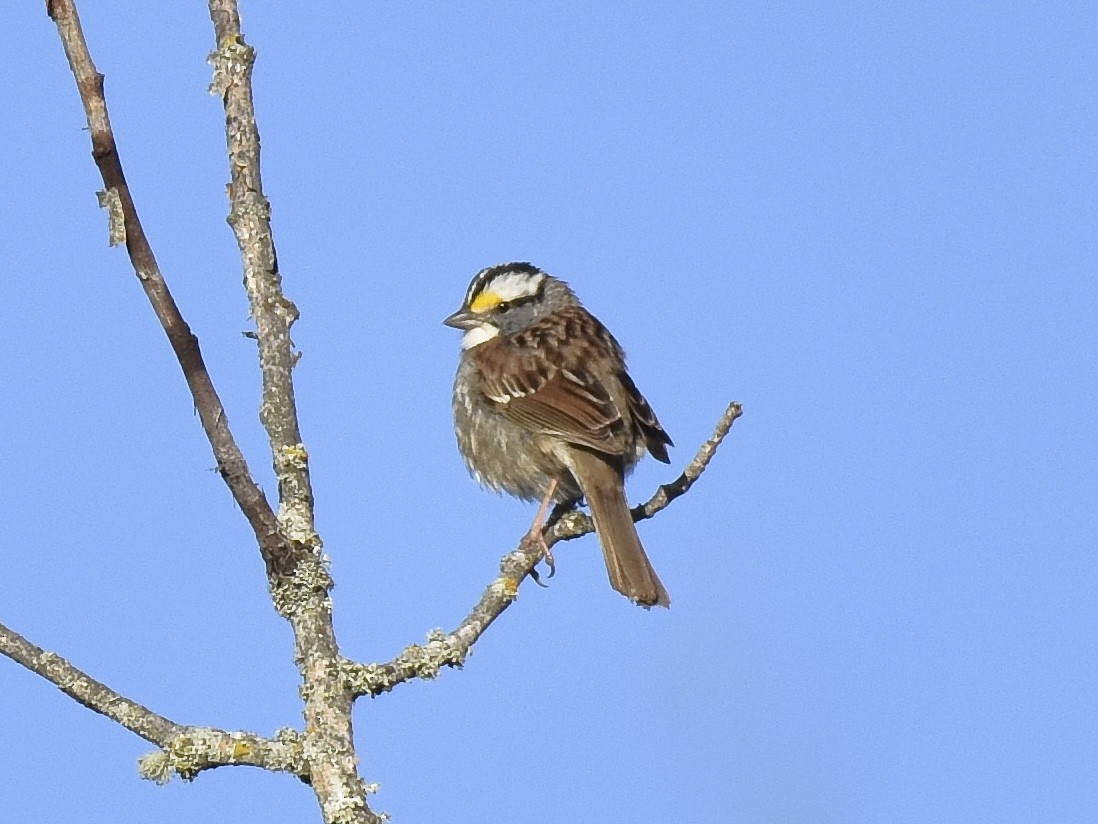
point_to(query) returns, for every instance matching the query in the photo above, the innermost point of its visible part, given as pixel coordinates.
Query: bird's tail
(627, 564)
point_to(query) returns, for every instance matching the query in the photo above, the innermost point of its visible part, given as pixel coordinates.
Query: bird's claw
(538, 540)
(547, 556)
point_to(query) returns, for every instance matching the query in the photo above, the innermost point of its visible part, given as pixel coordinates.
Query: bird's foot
(536, 540)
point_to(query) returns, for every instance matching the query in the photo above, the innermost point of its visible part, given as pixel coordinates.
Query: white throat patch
(478, 335)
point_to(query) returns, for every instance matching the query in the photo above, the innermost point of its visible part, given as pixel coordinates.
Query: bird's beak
(462, 319)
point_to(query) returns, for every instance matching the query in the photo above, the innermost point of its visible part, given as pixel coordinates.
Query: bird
(545, 410)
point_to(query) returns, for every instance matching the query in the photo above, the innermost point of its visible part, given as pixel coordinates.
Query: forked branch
(288, 543)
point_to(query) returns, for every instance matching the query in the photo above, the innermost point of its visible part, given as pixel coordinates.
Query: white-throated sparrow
(545, 410)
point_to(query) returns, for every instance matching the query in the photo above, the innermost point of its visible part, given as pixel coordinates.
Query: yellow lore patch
(485, 302)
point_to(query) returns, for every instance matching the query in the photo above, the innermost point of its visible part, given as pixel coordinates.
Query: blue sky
(872, 224)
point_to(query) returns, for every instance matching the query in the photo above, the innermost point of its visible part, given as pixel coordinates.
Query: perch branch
(450, 649)
(184, 750)
(230, 461)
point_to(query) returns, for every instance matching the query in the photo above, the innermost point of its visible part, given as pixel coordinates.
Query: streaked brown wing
(573, 412)
(537, 385)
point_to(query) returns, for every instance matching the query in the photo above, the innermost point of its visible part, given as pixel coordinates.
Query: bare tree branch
(274, 314)
(450, 649)
(184, 750)
(290, 547)
(86, 690)
(230, 461)
(304, 597)
(197, 749)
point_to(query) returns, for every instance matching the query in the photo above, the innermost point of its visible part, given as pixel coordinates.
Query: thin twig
(81, 687)
(234, 470)
(184, 750)
(450, 649)
(576, 524)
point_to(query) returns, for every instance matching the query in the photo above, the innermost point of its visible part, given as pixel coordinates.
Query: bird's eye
(503, 307)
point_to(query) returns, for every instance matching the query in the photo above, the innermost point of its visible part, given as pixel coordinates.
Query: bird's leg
(535, 537)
